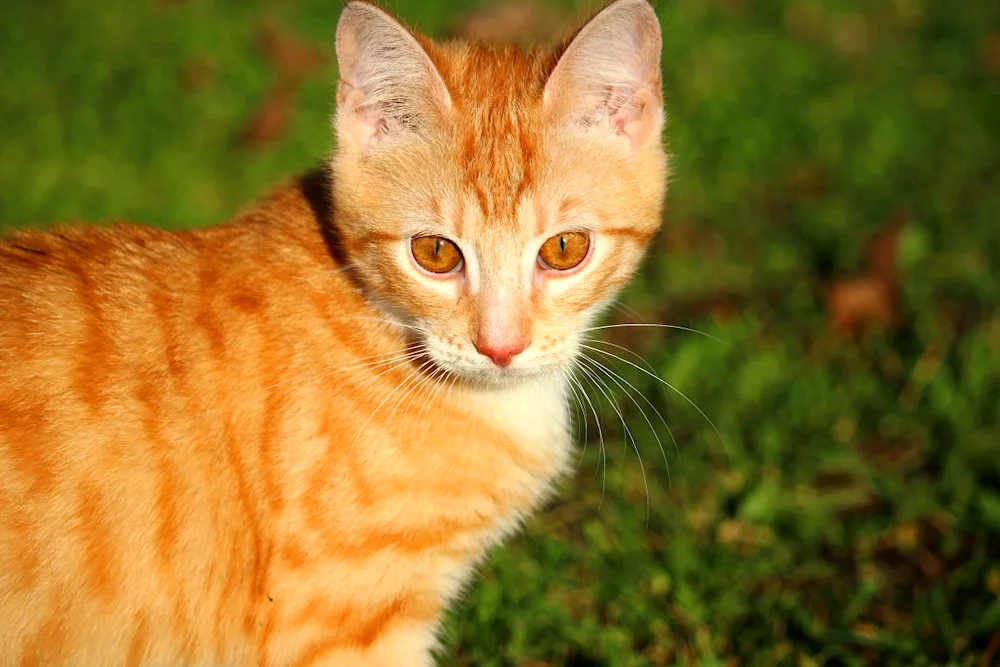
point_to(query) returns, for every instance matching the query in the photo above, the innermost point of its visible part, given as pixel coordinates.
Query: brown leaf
(870, 300)
(991, 53)
(884, 246)
(270, 121)
(894, 456)
(292, 60)
(291, 57)
(861, 302)
(991, 650)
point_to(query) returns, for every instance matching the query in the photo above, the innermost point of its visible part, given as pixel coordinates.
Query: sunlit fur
(274, 442)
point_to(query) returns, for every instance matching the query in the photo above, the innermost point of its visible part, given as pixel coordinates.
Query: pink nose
(501, 353)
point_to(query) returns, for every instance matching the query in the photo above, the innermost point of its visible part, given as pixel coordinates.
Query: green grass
(852, 514)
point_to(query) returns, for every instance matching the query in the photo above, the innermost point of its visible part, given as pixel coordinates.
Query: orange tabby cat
(288, 440)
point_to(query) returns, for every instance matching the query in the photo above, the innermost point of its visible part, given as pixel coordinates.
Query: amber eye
(564, 251)
(435, 253)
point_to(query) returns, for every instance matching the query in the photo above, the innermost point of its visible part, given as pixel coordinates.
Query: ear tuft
(608, 78)
(388, 84)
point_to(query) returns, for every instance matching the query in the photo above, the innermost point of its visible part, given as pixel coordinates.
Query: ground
(832, 226)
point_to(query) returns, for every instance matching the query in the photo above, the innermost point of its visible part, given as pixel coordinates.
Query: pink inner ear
(363, 122)
(637, 120)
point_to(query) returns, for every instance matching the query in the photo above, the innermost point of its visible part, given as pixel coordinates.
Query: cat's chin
(496, 377)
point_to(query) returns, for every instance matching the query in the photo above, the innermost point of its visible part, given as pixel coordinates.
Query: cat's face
(493, 200)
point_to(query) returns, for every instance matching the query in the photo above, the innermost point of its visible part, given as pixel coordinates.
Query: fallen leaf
(883, 248)
(894, 456)
(291, 57)
(994, 646)
(861, 302)
(872, 299)
(292, 60)
(270, 121)
(991, 53)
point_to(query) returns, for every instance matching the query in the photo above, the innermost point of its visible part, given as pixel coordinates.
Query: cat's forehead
(497, 126)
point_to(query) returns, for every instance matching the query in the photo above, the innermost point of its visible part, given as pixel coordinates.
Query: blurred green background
(833, 219)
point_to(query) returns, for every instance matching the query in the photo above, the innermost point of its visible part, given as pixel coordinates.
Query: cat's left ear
(388, 85)
(608, 78)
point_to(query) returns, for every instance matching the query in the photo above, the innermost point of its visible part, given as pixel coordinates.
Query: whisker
(628, 432)
(674, 389)
(670, 431)
(384, 400)
(600, 435)
(626, 309)
(331, 272)
(618, 380)
(580, 416)
(408, 396)
(649, 324)
(439, 376)
(365, 362)
(581, 413)
(383, 320)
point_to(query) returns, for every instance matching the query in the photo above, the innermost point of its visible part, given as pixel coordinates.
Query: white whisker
(659, 326)
(600, 435)
(672, 388)
(606, 390)
(330, 273)
(618, 380)
(670, 431)
(384, 400)
(372, 362)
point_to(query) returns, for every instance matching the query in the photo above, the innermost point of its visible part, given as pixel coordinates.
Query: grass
(852, 513)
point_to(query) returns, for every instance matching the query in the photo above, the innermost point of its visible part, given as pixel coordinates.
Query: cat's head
(493, 199)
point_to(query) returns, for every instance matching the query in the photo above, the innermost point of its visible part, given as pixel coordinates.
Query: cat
(288, 440)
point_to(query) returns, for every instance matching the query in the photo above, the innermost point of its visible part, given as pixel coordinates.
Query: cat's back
(116, 469)
(81, 282)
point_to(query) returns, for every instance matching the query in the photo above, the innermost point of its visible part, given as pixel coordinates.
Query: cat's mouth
(476, 370)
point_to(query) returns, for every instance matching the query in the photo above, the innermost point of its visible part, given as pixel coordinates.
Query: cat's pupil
(437, 247)
(562, 244)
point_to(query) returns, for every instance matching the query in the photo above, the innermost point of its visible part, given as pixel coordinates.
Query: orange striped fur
(275, 442)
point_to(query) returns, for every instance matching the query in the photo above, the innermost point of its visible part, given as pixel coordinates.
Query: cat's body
(288, 440)
(229, 516)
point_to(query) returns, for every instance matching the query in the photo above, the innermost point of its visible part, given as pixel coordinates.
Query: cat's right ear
(388, 85)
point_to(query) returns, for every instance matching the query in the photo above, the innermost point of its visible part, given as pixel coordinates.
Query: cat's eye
(564, 251)
(436, 253)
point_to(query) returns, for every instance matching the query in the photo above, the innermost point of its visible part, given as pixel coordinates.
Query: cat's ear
(608, 79)
(388, 84)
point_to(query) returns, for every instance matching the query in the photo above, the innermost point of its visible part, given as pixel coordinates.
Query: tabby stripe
(139, 644)
(47, 646)
(91, 370)
(22, 421)
(95, 528)
(352, 633)
(26, 556)
(408, 540)
(167, 490)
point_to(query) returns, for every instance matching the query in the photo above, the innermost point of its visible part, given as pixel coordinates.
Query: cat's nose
(502, 353)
